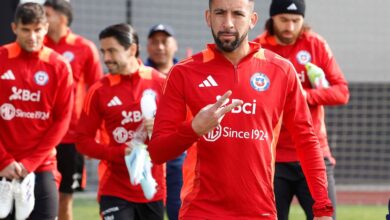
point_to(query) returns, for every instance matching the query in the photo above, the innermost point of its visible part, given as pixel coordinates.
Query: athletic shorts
(119, 209)
(70, 164)
(46, 198)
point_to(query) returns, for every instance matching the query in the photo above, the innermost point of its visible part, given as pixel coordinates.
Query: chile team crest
(41, 78)
(260, 82)
(303, 57)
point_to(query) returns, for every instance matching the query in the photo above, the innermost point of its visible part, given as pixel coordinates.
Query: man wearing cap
(161, 48)
(288, 36)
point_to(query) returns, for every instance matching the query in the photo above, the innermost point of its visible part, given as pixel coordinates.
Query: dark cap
(161, 28)
(288, 7)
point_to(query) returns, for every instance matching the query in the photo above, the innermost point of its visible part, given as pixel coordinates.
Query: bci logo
(246, 108)
(25, 95)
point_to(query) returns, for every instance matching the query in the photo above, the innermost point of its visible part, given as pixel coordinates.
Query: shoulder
(3, 53)
(80, 41)
(10, 51)
(273, 59)
(313, 38)
(194, 61)
(149, 73)
(53, 58)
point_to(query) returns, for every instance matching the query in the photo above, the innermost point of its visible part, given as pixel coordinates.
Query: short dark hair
(62, 6)
(210, 1)
(123, 33)
(30, 13)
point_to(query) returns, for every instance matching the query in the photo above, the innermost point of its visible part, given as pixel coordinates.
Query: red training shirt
(35, 106)
(310, 47)
(84, 60)
(113, 105)
(234, 163)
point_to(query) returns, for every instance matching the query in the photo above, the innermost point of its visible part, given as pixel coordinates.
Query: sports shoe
(24, 196)
(6, 198)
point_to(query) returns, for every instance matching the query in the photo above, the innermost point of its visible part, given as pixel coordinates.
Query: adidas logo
(292, 7)
(9, 75)
(114, 102)
(208, 82)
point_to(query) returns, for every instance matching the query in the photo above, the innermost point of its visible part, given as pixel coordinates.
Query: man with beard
(112, 106)
(239, 95)
(287, 35)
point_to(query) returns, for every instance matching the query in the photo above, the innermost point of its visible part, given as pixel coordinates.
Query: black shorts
(46, 198)
(119, 209)
(70, 164)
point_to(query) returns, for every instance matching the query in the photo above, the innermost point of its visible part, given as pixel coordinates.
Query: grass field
(87, 209)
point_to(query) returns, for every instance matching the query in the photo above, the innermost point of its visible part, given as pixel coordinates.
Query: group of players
(46, 116)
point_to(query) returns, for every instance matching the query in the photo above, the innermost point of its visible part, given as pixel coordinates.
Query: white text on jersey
(25, 95)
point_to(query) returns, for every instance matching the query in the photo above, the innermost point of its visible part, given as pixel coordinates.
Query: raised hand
(211, 115)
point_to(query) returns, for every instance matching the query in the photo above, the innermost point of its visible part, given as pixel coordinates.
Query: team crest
(41, 78)
(303, 57)
(68, 55)
(260, 82)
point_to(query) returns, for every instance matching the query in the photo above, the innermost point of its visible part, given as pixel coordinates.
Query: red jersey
(234, 163)
(35, 104)
(113, 105)
(84, 60)
(310, 47)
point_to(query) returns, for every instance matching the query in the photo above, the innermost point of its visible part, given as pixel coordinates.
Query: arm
(89, 123)
(297, 119)
(171, 134)
(61, 114)
(337, 93)
(9, 168)
(5, 158)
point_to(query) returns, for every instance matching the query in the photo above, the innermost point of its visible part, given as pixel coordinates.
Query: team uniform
(35, 109)
(234, 164)
(174, 175)
(113, 106)
(84, 60)
(309, 47)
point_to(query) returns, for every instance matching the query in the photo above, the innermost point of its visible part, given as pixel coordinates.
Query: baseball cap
(161, 28)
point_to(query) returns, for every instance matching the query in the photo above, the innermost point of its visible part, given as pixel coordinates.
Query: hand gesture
(211, 115)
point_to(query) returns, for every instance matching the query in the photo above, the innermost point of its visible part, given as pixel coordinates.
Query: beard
(112, 66)
(228, 46)
(285, 40)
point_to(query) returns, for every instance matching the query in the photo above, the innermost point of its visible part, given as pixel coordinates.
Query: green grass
(87, 209)
(348, 212)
